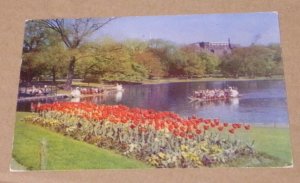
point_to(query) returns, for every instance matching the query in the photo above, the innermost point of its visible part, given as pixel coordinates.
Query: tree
(135, 46)
(53, 57)
(166, 51)
(35, 36)
(31, 67)
(111, 61)
(119, 65)
(250, 61)
(193, 65)
(211, 62)
(35, 39)
(151, 62)
(73, 33)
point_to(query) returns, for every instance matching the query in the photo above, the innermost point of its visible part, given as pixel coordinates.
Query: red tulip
(231, 130)
(220, 128)
(198, 132)
(247, 127)
(182, 134)
(206, 127)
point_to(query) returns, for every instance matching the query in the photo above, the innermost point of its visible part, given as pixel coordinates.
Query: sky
(243, 29)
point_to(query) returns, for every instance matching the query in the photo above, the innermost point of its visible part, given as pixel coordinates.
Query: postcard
(184, 91)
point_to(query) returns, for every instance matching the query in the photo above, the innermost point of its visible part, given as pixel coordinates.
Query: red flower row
(143, 119)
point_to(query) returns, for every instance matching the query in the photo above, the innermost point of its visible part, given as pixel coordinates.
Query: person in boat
(40, 92)
(226, 93)
(45, 90)
(221, 94)
(213, 94)
(196, 94)
(33, 91)
(201, 94)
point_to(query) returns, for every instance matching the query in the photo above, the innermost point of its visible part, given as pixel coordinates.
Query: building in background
(216, 48)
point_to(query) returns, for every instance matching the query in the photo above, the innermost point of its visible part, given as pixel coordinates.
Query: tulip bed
(162, 139)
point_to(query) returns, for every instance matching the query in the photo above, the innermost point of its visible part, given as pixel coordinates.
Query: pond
(262, 101)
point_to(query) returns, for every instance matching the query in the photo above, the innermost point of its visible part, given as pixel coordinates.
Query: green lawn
(271, 141)
(63, 152)
(272, 145)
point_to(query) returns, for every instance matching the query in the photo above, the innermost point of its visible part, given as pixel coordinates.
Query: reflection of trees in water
(101, 99)
(256, 84)
(95, 99)
(147, 95)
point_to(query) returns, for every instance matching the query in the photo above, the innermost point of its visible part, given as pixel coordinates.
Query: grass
(273, 141)
(63, 152)
(272, 144)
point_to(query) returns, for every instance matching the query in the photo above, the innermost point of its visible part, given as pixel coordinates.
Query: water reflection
(232, 103)
(119, 96)
(75, 99)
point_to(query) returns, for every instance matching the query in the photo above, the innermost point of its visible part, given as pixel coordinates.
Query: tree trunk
(53, 75)
(70, 75)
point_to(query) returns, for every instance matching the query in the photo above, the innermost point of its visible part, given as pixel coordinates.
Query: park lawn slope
(273, 141)
(63, 152)
(273, 144)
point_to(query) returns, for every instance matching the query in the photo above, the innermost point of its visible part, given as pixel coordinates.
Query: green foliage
(35, 39)
(211, 62)
(252, 61)
(31, 67)
(193, 65)
(110, 61)
(151, 62)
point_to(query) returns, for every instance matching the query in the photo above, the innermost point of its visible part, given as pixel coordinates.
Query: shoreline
(177, 80)
(170, 80)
